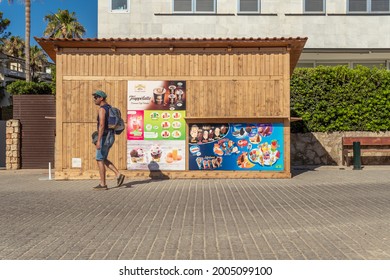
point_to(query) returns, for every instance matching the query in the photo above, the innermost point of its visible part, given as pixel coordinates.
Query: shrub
(23, 87)
(340, 99)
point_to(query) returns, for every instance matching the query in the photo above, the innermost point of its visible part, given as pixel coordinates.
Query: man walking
(104, 142)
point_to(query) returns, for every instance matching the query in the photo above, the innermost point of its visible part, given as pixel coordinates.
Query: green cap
(100, 93)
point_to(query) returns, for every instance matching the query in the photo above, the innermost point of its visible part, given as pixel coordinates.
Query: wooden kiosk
(194, 108)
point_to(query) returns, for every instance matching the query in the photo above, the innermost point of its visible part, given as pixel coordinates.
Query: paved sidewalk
(321, 214)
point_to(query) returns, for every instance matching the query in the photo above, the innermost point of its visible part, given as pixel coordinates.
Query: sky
(86, 13)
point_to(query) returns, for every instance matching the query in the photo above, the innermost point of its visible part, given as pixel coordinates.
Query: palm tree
(4, 22)
(63, 25)
(14, 46)
(38, 60)
(27, 4)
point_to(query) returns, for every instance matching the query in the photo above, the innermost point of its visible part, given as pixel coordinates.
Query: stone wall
(306, 148)
(12, 156)
(325, 148)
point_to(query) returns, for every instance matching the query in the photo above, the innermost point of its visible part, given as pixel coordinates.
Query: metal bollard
(357, 164)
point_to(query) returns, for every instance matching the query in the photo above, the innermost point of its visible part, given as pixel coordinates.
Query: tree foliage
(4, 23)
(14, 46)
(38, 60)
(340, 99)
(63, 25)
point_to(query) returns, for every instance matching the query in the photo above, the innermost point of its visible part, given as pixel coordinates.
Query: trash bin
(357, 164)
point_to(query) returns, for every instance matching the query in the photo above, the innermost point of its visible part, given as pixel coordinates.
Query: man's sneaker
(100, 187)
(119, 180)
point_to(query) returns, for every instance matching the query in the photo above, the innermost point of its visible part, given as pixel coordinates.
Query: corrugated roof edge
(170, 39)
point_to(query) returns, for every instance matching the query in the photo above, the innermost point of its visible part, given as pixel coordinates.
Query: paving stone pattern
(320, 214)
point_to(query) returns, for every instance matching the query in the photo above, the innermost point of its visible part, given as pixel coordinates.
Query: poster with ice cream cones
(156, 155)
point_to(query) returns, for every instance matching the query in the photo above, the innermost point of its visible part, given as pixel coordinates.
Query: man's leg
(112, 167)
(119, 177)
(101, 156)
(102, 172)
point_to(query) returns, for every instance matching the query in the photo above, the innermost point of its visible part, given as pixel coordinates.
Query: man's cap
(100, 93)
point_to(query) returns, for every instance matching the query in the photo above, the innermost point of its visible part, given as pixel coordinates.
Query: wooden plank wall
(218, 85)
(37, 132)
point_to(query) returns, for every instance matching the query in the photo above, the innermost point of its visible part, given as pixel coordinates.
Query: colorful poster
(156, 95)
(156, 155)
(165, 125)
(156, 129)
(135, 125)
(237, 146)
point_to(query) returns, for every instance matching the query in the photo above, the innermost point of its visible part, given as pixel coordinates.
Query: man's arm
(102, 121)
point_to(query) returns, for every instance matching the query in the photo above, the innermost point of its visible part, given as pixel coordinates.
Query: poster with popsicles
(156, 122)
(236, 146)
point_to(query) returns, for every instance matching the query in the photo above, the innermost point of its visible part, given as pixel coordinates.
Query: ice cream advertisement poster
(164, 125)
(135, 125)
(156, 129)
(236, 146)
(155, 125)
(156, 155)
(156, 95)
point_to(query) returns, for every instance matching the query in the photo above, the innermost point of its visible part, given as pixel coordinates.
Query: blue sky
(86, 13)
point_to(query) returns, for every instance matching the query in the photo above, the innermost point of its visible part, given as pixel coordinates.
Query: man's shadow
(155, 175)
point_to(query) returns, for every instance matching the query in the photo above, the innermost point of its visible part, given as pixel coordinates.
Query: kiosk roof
(293, 45)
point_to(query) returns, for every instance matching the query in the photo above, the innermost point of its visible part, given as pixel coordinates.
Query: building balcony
(43, 76)
(13, 73)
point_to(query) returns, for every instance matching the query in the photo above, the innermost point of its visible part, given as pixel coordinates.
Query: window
(311, 64)
(182, 5)
(305, 65)
(331, 64)
(314, 6)
(248, 6)
(121, 6)
(368, 6)
(357, 6)
(14, 66)
(371, 64)
(194, 6)
(380, 6)
(350, 64)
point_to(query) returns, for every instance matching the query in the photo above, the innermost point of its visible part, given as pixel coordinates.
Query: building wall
(278, 18)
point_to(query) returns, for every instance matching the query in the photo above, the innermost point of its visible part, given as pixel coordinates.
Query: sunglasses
(96, 96)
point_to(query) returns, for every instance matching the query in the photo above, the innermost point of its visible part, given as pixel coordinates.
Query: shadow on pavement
(296, 171)
(155, 175)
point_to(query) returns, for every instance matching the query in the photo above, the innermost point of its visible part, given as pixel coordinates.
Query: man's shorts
(102, 154)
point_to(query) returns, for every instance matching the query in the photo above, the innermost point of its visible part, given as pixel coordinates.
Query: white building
(340, 31)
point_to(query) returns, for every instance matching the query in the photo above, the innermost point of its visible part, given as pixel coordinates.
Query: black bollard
(357, 164)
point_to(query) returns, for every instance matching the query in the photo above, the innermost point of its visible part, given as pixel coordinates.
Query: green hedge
(340, 99)
(23, 87)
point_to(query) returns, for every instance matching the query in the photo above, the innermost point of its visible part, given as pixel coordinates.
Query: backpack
(115, 121)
